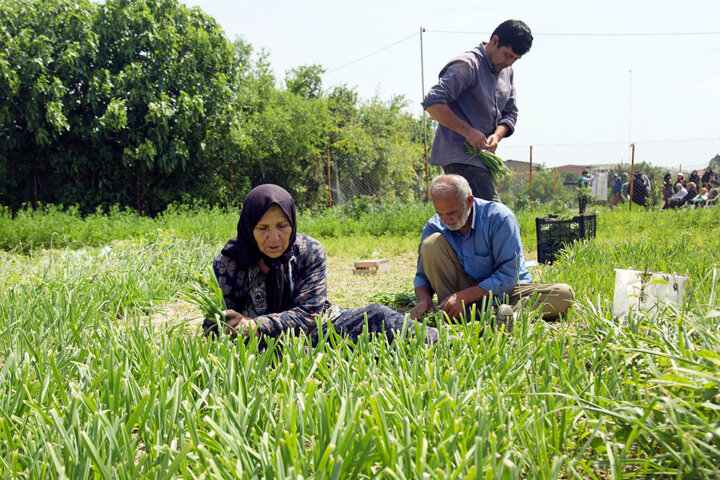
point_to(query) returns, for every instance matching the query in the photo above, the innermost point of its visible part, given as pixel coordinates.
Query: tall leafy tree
(145, 102)
(288, 135)
(305, 81)
(174, 69)
(376, 146)
(125, 102)
(715, 162)
(47, 49)
(398, 146)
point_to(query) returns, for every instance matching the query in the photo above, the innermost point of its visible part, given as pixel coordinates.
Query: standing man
(472, 250)
(584, 188)
(616, 191)
(474, 100)
(619, 186)
(680, 179)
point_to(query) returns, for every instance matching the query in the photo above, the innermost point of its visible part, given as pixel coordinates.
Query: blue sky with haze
(578, 101)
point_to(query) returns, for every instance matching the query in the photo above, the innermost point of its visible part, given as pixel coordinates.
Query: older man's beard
(461, 223)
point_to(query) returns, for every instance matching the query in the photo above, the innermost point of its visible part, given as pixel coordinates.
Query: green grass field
(91, 387)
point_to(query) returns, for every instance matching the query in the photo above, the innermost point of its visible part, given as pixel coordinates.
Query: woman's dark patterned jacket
(244, 290)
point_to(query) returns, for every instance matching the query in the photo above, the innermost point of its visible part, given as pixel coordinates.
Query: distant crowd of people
(695, 191)
(620, 190)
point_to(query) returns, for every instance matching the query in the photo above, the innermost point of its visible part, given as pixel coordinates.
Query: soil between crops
(348, 289)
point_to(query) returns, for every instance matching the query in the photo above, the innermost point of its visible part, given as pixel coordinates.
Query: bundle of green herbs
(495, 164)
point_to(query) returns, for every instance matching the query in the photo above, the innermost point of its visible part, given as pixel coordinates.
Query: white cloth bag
(644, 291)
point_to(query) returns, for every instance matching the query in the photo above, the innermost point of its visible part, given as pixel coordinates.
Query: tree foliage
(305, 81)
(143, 103)
(377, 147)
(125, 102)
(44, 48)
(286, 142)
(715, 162)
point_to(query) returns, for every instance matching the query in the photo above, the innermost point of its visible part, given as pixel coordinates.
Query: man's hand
(477, 139)
(425, 304)
(494, 139)
(492, 142)
(452, 305)
(238, 324)
(455, 303)
(421, 308)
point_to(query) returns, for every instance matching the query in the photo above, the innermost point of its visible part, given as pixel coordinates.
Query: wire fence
(402, 179)
(674, 155)
(406, 179)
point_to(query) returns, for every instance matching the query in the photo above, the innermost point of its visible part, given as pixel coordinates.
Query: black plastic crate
(553, 234)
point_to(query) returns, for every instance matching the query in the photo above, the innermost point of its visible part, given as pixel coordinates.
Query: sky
(599, 76)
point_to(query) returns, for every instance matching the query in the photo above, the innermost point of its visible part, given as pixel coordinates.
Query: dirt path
(176, 312)
(349, 290)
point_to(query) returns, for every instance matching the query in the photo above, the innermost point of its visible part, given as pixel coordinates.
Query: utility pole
(424, 114)
(630, 107)
(329, 181)
(632, 176)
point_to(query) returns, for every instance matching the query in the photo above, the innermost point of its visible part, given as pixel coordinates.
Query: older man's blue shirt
(490, 252)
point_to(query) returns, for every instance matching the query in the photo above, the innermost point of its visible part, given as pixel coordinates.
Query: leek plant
(89, 388)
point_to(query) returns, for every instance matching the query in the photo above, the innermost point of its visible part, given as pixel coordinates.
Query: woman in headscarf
(668, 189)
(706, 176)
(640, 192)
(681, 179)
(694, 177)
(273, 279)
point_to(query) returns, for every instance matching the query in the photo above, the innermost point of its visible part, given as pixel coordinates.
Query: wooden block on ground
(371, 267)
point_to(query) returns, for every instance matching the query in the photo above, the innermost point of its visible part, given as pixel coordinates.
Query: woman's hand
(238, 324)
(421, 308)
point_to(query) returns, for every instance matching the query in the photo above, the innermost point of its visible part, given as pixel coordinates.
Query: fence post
(422, 85)
(555, 183)
(329, 181)
(35, 189)
(137, 187)
(632, 175)
(232, 180)
(427, 168)
(531, 173)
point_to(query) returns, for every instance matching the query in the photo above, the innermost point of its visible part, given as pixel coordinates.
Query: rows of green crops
(89, 388)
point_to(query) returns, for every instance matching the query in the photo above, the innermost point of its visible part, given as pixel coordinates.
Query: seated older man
(472, 250)
(678, 199)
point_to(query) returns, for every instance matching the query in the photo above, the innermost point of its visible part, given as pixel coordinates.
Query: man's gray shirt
(476, 94)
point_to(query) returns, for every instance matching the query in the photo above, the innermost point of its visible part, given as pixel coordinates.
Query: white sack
(646, 291)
